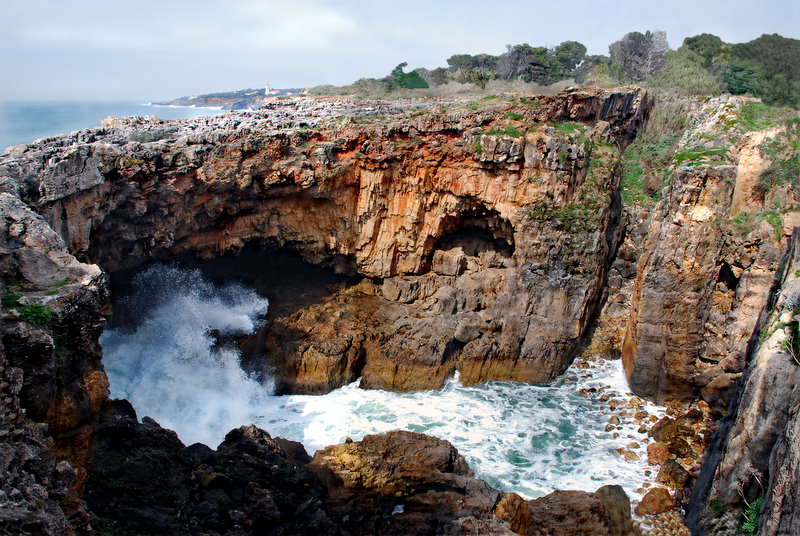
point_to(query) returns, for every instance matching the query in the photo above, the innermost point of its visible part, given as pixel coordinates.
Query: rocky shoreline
(487, 237)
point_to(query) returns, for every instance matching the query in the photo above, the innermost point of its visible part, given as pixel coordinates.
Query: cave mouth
(179, 364)
(480, 233)
(475, 241)
(279, 275)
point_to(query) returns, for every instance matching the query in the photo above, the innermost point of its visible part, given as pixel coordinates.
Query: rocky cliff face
(707, 263)
(482, 234)
(756, 460)
(483, 237)
(484, 231)
(52, 316)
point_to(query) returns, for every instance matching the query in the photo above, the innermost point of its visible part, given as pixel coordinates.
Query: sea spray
(524, 438)
(165, 360)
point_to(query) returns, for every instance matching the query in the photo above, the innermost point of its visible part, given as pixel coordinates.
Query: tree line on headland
(767, 67)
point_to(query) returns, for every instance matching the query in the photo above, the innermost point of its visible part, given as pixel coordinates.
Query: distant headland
(242, 99)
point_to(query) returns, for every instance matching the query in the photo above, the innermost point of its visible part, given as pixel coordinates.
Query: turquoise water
(24, 122)
(524, 438)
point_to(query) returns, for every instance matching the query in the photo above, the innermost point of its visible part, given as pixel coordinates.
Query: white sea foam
(525, 438)
(168, 366)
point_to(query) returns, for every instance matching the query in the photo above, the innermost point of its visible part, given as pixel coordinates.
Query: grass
(755, 115)
(651, 154)
(700, 155)
(643, 158)
(510, 130)
(746, 222)
(784, 153)
(10, 299)
(568, 127)
(684, 73)
(36, 314)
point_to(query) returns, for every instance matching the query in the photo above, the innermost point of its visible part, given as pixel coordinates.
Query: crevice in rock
(716, 449)
(727, 277)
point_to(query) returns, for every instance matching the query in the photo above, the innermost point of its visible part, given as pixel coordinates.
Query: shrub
(10, 299)
(740, 78)
(751, 516)
(410, 80)
(705, 45)
(685, 73)
(479, 76)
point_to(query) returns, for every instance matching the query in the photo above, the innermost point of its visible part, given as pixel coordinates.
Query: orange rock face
(484, 236)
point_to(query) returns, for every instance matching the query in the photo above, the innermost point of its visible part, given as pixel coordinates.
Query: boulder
(656, 501)
(657, 453)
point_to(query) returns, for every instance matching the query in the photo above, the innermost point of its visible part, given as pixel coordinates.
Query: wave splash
(166, 360)
(524, 438)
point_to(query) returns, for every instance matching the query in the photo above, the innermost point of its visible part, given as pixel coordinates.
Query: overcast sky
(150, 50)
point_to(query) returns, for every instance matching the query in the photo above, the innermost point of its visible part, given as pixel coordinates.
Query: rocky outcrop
(33, 485)
(707, 264)
(402, 482)
(483, 232)
(756, 453)
(782, 516)
(145, 480)
(52, 316)
(481, 247)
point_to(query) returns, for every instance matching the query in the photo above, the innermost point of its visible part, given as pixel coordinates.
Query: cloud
(166, 48)
(200, 26)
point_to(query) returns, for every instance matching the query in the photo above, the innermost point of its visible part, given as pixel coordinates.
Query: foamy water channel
(523, 438)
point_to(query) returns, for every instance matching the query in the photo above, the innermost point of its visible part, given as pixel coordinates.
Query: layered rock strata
(501, 239)
(757, 457)
(484, 231)
(712, 249)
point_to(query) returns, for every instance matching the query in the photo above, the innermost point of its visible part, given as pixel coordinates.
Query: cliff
(483, 237)
(482, 232)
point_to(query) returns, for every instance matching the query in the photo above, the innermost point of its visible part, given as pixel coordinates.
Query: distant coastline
(25, 122)
(159, 105)
(240, 99)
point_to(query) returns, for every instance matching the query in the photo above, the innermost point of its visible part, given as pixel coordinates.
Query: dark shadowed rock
(401, 479)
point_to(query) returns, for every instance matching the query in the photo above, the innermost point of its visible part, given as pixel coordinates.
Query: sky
(154, 50)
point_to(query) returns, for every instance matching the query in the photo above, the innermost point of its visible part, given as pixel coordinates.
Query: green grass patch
(700, 155)
(61, 283)
(746, 222)
(632, 185)
(514, 116)
(646, 158)
(759, 116)
(568, 127)
(10, 299)
(510, 130)
(35, 314)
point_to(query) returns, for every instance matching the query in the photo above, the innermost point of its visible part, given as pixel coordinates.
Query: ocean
(24, 122)
(530, 439)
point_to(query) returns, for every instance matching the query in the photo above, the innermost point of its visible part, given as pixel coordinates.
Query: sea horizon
(23, 122)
